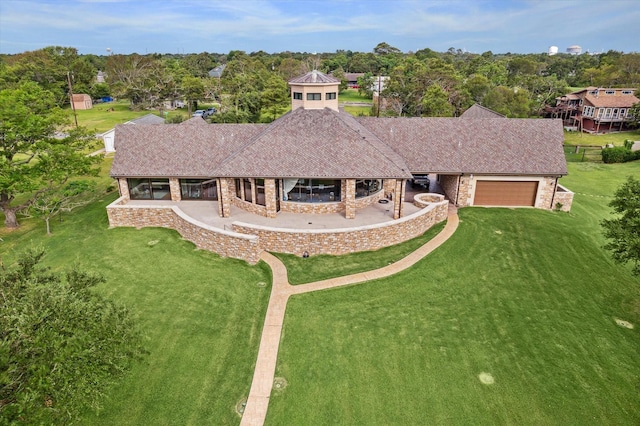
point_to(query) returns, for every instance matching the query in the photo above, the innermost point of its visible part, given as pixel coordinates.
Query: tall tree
(61, 344)
(623, 232)
(33, 155)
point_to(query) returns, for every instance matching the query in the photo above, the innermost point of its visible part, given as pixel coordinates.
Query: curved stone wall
(347, 240)
(247, 241)
(220, 241)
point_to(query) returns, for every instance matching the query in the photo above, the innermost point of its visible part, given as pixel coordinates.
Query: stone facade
(346, 240)
(247, 241)
(174, 185)
(564, 197)
(224, 243)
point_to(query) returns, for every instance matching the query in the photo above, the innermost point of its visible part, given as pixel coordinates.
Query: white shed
(109, 136)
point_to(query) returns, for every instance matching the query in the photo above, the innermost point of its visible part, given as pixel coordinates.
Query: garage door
(505, 193)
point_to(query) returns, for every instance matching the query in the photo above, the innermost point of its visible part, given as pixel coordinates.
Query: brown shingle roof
(478, 111)
(483, 146)
(327, 143)
(314, 77)
(315, 144)
(177, 150)
(611, 101)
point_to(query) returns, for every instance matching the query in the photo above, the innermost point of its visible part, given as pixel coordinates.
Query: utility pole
(73, 107)
(379, 94)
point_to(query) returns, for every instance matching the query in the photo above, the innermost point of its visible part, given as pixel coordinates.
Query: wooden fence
(580, 153)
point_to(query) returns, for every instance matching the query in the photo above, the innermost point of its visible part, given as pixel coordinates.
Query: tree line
(253, 85)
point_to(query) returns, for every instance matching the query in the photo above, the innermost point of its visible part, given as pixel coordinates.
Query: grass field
(202, 315)
(525, 295)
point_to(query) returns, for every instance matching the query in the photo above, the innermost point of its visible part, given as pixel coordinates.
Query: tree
(623, 232)
(61, 344)
(33, 154)
(275, 96)
(634, 113)
(509, 102)
(53, 201)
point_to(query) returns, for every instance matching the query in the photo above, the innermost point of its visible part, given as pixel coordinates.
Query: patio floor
(207, 213)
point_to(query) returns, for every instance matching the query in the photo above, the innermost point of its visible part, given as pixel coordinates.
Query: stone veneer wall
(346, 240)
(564, 197)
(124, 189)
(449, 184)
(546, 189)
(312, 208)
(224, 243)
(248, 241)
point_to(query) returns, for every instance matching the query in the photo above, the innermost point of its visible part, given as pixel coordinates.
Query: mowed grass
(322, 267)
(527, 296)
(202, 315)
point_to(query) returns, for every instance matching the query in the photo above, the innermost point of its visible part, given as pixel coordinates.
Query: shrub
(616, 154)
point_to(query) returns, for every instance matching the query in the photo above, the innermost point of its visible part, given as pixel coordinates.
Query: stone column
(224, 197)
(398, 198)
(124, 189)
(350, 198)
(270, 197)
(174, 185)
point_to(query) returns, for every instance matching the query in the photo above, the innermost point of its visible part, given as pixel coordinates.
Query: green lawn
(352, 95)
(528, 296)
(202, 315)
(617, 139)
(525, 295)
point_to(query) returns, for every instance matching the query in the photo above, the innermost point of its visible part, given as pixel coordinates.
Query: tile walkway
(258, 402)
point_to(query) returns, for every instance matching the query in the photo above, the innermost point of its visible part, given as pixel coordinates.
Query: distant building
(595, 109)
(217, 71)
(574, 50)
(82, 101)
(553, 50)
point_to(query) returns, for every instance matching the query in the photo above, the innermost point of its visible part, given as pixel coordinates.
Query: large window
(311, 190)
(198, 189)
(247, 189)
(314, 96)
(149, 189)
(260, 198)
(366, 187)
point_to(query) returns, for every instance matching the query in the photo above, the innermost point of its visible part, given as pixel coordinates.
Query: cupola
(314, 90)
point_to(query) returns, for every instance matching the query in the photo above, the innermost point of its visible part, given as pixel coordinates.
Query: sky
(219, 26)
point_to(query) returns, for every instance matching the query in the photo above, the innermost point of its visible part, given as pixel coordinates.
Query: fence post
(584, 151)
(577, 149)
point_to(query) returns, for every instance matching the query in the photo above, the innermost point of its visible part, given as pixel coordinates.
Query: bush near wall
(619, 154)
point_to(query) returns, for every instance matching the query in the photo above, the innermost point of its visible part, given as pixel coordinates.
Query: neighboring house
(109, 136)
(352, 79)
(478, 111)
(317, 159)
(82, 101)
(595, 110)
(217, 71)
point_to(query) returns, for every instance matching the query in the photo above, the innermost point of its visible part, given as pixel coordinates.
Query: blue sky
(193, 26)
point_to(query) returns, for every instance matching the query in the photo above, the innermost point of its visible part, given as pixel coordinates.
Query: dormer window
(609, 92)
(297, 95)
(627, 92)
(314, 96)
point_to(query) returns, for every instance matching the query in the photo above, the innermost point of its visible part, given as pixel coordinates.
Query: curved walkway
(258, 402)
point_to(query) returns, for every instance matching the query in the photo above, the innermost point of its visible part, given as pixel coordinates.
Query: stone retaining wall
(247, 241)
(346, 240)
(564, 197)
(224, 243)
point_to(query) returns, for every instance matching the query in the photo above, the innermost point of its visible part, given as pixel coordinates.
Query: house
(217, 71)
(82, 101)
(352, 79)
(595, 110)
(317, 161)
(109, 136)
